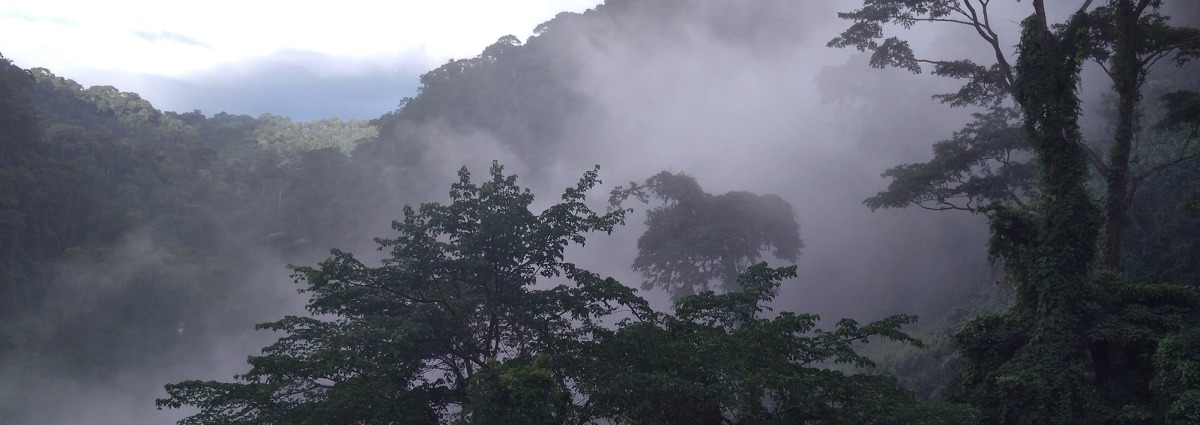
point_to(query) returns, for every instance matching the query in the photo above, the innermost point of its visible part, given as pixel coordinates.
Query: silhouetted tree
(696, 238)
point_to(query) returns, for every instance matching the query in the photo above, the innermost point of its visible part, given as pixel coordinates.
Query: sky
(351, 59)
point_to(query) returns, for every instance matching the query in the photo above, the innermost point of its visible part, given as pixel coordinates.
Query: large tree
(1076, 346)
(984, 163)
(452, 310)
(725, 359)
(696, 238)
(469, 320)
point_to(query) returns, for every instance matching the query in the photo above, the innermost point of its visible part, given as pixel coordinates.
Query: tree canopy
(696, 238)
(1079, 344)
(475, 317)
(988, 162)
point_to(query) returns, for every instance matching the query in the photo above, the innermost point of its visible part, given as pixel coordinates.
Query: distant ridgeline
(96, 163)
(128, 235)
(85, 171)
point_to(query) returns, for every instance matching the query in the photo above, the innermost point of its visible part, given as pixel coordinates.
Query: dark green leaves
(455, 327)
(445, 327)
(1182, 111)
(986, 85)
(696, 238)
(983, 163)
(718, 360)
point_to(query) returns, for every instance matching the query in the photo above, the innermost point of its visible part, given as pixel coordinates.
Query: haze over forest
(1054, 279)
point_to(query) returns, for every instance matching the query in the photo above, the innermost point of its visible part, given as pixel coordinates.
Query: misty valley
(652, 212)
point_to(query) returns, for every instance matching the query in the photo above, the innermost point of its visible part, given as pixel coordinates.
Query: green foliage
(286, 139)
(1125, 323)
(975, 168)
(1182, 111)
(1043, 373)
(981, 164)
(119, 223)
(517, 392)
(1073, 347)
(1162, 239)
(1157, 38)
(1178, 383)
(459, 325)
(985, 85)
(41, 201)
(696, 238)
(719, 359)
(411, 338)
(526, 80)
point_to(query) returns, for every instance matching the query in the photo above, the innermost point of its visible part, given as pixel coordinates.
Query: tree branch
(1141, 7)
(1084, 7)
(1104, 67)
(1153, 58)
(1183, 156)
(1039, 10)
(1090, 154)
(943, 206)
(984, 28)
(953, 21)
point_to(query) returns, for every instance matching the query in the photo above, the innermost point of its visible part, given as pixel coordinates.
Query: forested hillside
(124, 226)
(1055, 283)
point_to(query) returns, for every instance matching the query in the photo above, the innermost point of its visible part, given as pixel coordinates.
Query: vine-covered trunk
(1051, 373)
(1066, 221)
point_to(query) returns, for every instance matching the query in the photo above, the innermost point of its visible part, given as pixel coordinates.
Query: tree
(448, 322)
(696, 238)
(459, 325)
(720, 359)
(42, 205)
(1075, 345)
(984, 163)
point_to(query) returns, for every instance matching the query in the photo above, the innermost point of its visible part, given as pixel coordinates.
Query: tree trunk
(1126, 72)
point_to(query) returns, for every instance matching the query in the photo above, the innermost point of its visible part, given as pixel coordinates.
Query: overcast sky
(346, 58)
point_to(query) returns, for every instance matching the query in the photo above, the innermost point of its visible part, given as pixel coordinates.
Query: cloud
(302, 85)
(169, 37)
(330, 56)
(19, 15)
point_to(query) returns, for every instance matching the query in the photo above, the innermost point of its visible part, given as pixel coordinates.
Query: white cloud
(137, 45)
(177, 38)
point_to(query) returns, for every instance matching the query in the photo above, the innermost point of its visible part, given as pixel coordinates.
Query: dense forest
(1029, 256)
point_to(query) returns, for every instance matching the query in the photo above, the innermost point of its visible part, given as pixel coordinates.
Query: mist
(743, 97)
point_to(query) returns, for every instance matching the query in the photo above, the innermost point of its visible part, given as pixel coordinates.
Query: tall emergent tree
(459, 325)
(696, 238)
(983, 163)
(1077, 345)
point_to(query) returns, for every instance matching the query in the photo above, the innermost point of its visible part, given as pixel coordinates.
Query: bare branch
(1183, 157)
(1094, 158)
(1090, 154)
(944, 206)
(1084, 7)
(953, 21)
(1141, 7)
(984, 28)
(1153, 58)
(1012, 195)
(1104, 67)
(931, 62)
(1160, 167)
